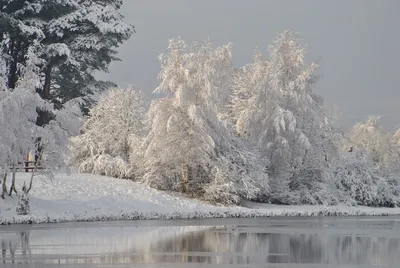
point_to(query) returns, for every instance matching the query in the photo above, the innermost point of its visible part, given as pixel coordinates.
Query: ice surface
(294, 242)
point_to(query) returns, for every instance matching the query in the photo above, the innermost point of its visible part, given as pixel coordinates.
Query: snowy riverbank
(87, 197)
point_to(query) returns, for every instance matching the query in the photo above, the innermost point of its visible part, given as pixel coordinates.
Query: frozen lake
(266, 242)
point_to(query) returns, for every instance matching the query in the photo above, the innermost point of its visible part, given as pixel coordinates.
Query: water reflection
(230, 246)
(17, 244)
(224, 246)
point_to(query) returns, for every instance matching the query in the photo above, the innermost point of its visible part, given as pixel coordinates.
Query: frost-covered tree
(396, 137)
(23, 207)
(359, 183)
(19, 132)
(77, 38)
(81, 40)
(18, 119)
(382, 146)
(367, 171)
(274, 108)
(112, 136)
(70, 40)
(188, 148)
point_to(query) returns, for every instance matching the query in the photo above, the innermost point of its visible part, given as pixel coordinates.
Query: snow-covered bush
(222, 189)
(369, 173)
(359, 183)
(383, 147)
(312, 186)
(23, 202)
(111, 139)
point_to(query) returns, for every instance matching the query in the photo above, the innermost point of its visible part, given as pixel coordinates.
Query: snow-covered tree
(359, 183)
(20, 134)
(367, 171)
(382, 146)
(273, 107)
(188, 148)
(23, 207)
(112, 136)
(77, 38)
(53, 48)
(80, 40)
(18, 119)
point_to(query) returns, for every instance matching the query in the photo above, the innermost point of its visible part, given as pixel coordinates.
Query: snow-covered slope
(88, 197)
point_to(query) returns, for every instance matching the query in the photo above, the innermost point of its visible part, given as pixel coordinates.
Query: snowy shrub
(221, 189)
(383, 147)
(23, 202)
(111, 137)
(359, 183)
(104, 164)
(307, 186)
(369, 173)
(313, 186)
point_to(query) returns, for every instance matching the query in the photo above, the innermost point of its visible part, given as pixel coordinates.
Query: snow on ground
(88, 197)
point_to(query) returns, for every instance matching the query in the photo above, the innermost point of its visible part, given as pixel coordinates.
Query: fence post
(27, 163)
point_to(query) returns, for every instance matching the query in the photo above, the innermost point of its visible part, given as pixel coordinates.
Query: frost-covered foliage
(273, 107)
(383, 147)
(76, 39)
(369, 173)
(18, 116)
(49, 51)
(112, 136)
(19, 133)
(359, 183)
(23, 207)
(188, 148)
(226, 135)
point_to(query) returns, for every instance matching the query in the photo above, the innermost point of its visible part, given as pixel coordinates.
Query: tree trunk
(184, 178)
(47, 83)
(4, 186)
(44, 116)
(12, 188)
(36, 163)
(13, 65)
(31, 181)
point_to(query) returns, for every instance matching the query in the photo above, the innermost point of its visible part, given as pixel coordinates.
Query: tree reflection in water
(18, 244)
(232, 246)
(221, 246)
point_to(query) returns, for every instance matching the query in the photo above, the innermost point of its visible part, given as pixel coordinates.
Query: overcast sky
(356, 41)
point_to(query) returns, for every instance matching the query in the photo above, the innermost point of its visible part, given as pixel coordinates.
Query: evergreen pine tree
(76, 39)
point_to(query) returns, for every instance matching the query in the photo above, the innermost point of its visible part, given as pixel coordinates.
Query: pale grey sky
(356, 41)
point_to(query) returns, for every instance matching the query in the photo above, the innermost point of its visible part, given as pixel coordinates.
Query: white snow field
(89, 197)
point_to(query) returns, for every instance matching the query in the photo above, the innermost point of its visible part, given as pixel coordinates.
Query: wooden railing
(28, 166)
